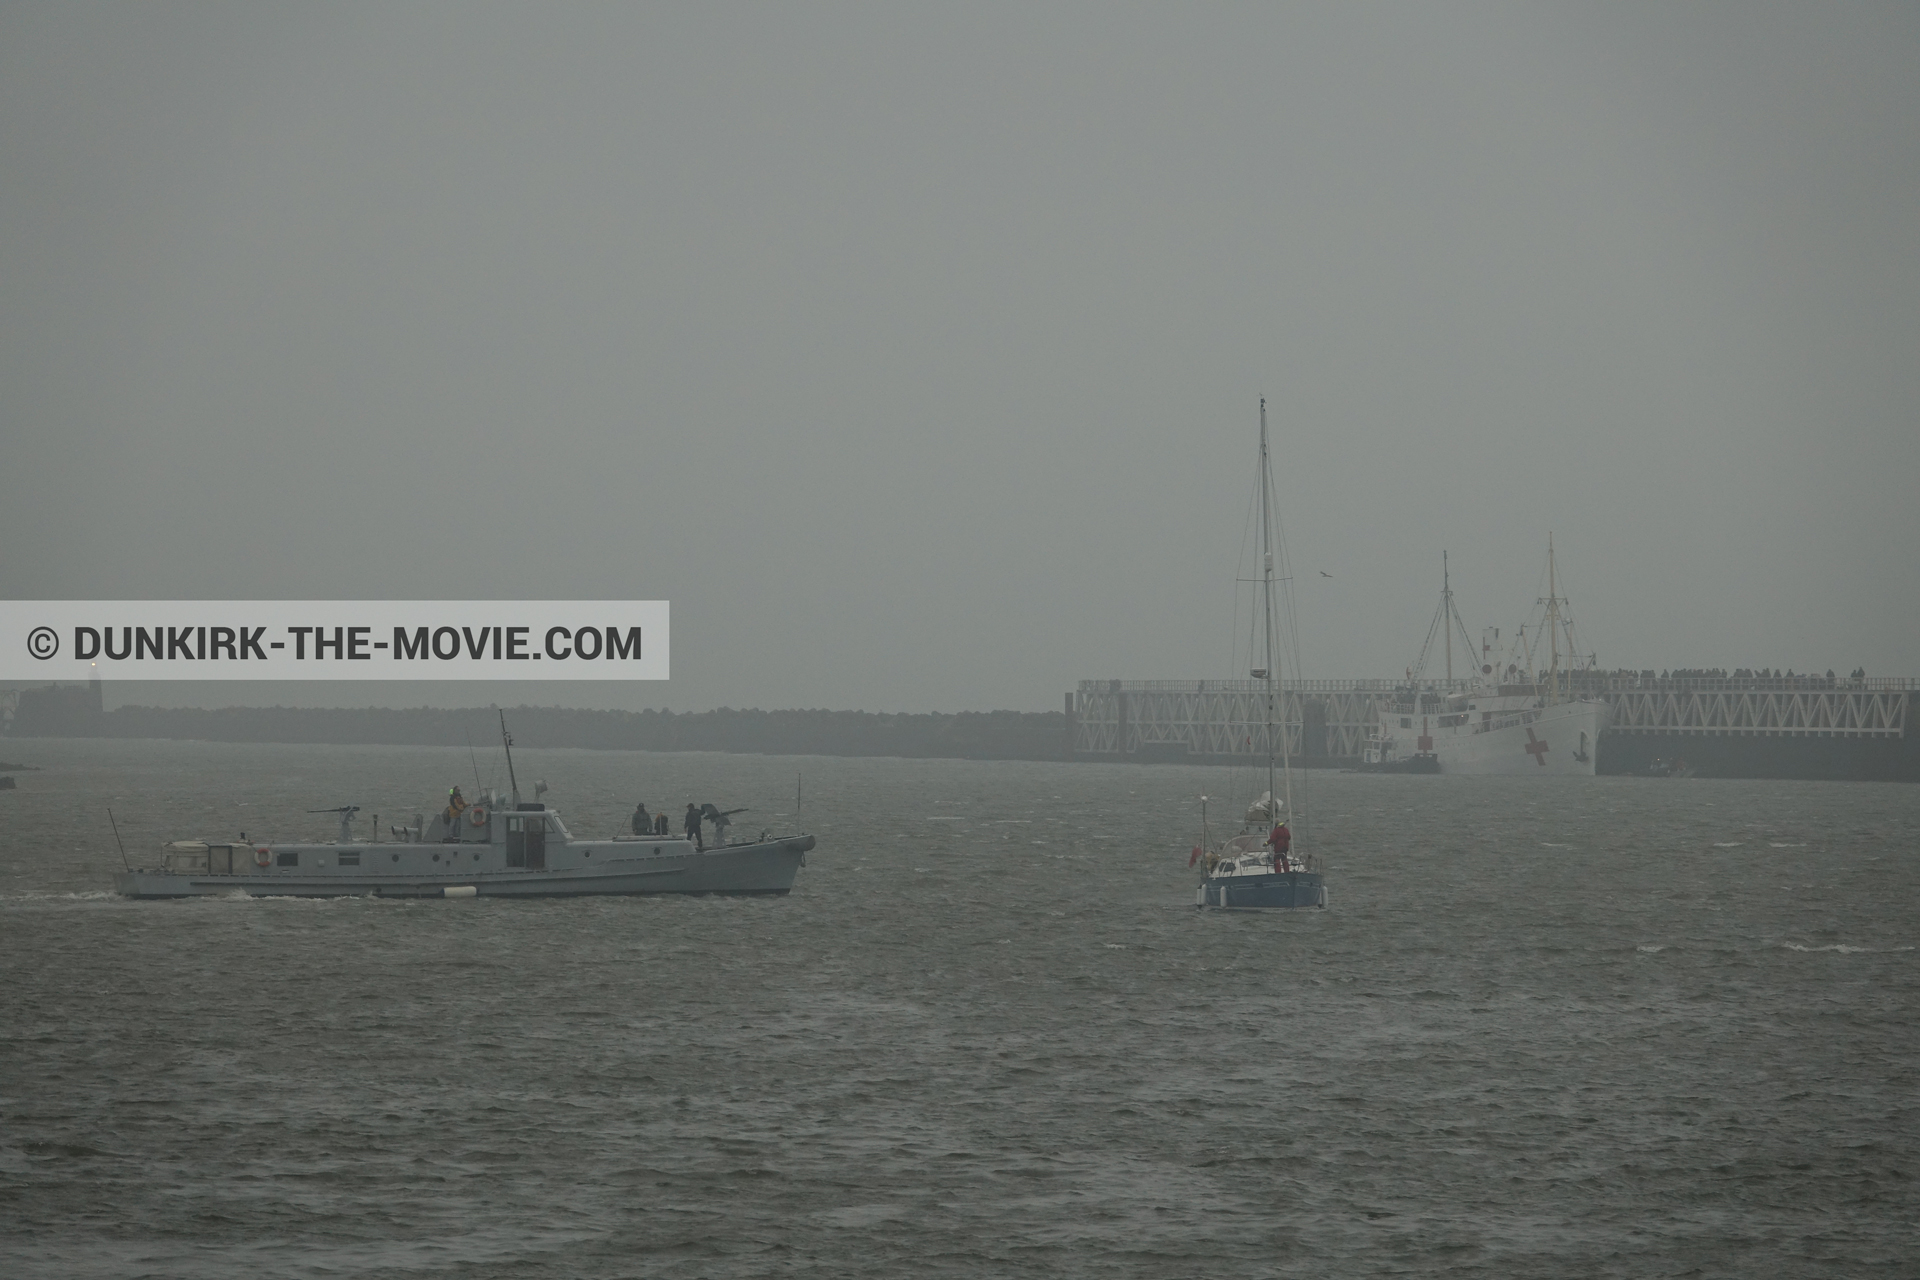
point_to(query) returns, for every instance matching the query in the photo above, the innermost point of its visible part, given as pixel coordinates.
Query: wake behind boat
(497, 848)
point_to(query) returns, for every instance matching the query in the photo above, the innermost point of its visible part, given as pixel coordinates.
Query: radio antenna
(506, 742)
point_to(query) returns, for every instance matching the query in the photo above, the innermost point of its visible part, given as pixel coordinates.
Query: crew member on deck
(1282, 840)
(642, 820)
(456, 805)
(662, 825)
(693, 827)
(719, 820)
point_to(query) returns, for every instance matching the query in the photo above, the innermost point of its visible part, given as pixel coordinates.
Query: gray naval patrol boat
(498, 848)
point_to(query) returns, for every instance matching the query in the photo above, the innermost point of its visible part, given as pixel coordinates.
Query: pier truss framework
(1763, 708)
(1333, 718)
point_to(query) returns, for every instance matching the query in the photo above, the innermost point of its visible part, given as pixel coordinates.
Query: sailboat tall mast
(1272, 671)
(1446, 621)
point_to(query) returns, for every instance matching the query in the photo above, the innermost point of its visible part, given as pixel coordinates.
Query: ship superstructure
(1511, 716)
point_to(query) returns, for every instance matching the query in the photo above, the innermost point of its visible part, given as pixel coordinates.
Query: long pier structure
(1731, 726)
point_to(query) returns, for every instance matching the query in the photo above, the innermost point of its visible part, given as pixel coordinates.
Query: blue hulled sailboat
(1266, 867)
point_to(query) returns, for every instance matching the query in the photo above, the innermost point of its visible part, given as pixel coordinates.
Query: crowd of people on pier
(1765, 677)
(1738, 677)
(1593, 680)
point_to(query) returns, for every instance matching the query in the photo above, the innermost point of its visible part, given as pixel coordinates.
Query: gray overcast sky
(913, 351)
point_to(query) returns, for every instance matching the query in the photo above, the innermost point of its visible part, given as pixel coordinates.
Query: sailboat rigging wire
(1290, 655)
(118, 841)
(1266, 605)
(1233, 636)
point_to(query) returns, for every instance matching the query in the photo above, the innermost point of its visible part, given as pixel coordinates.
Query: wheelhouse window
(350, 858)
(289, 858)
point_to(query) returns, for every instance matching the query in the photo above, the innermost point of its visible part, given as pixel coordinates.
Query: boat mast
(1266, 546)
(506, 741)
(1446, 622)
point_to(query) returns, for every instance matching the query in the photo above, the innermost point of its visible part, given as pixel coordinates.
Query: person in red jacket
(1281, 840)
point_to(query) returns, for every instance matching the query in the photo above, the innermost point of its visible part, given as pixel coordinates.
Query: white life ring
(477, 815)
(262, 857)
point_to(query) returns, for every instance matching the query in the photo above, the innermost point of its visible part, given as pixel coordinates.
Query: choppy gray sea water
(1606, 1027)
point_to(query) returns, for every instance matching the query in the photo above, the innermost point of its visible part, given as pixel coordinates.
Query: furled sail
(1263, 811)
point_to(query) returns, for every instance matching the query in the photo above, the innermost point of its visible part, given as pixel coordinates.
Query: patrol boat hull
(472, 868)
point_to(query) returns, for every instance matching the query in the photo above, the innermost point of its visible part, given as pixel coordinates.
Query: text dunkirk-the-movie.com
(333, 640)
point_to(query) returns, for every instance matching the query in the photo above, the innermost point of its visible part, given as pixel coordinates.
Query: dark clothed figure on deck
(693, 826)
(719, 820)
(661, 825)
(642, 821)
(1282, 840)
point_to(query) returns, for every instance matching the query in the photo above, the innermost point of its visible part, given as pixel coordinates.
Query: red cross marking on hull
(1537, 748)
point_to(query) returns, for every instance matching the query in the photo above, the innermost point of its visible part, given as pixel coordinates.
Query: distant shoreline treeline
(974, 735)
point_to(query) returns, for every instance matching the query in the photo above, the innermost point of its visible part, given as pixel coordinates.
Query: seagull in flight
(1325, 574)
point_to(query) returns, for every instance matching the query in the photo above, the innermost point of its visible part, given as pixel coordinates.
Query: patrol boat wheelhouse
(498, 848)
(1246, 873)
